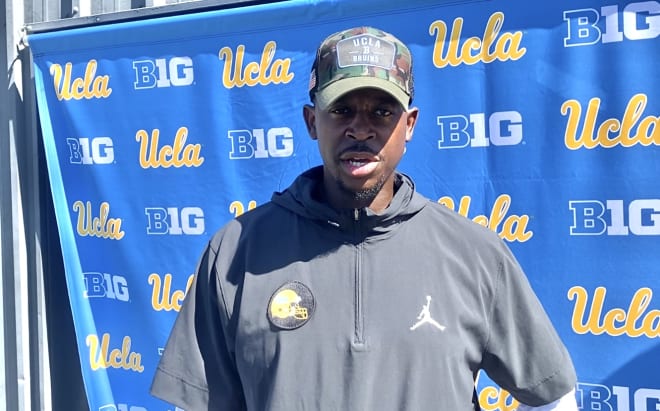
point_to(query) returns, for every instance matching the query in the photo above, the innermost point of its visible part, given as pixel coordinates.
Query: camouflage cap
(357, 58)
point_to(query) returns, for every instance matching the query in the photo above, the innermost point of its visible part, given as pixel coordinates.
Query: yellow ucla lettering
(267, 71)
(511, 228)
(100, 355)
(237, 208)
(496, 399)
(162, 299)
(631, 130)
(101, 226)
(87, 87)
(635, 322)
(491, 47)
(177, 155)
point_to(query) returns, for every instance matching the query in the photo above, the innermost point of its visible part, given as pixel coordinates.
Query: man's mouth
(357, 162)
(360, 165)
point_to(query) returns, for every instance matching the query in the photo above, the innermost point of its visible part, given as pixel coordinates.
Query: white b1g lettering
(177, 71)
(126, 407)
(637, 21)
(105, 285)
(121, 407)
(97, 150)
(593, 217)
(276, 142)
(597, 397)
(175, 221)
(459, 131)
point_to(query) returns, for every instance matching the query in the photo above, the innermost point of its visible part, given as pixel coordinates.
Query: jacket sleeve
(524, 354)
(197, 370)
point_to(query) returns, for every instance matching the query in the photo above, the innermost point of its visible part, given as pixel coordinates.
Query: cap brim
(333, 91)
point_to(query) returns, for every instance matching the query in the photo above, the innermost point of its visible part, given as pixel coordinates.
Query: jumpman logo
(425, 317)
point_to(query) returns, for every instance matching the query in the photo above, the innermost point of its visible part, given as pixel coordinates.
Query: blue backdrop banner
(539, 120)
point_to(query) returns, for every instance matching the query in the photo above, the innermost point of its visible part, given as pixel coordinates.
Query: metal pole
(36, 307)
(9, 389)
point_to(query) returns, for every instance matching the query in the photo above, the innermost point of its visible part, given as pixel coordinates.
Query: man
(351, 291)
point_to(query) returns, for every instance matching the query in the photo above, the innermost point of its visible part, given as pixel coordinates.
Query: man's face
(361, 137)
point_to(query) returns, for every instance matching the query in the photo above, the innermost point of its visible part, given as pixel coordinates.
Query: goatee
(364, 196)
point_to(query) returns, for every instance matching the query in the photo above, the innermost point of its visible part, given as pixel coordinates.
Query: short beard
(365, 196)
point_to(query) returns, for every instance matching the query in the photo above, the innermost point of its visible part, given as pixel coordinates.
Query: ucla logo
(493, 398)
(98, 285)
(590, 397)
(637, 21)
(492, 46)
(162, 296)
(101, 356)
(509, 227)
(102, 226)
(87, 87)
(633, 129)
(175, 221)
(179, 154)
(365, 49)
(267, 71)
(237, 208)
(97, 150)
(614, 217)
(276, 142)
(458, 131)
(173, 72)
(635, 321)
(593, 397)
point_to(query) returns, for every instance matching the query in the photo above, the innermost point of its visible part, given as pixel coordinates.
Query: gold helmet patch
(291, 305)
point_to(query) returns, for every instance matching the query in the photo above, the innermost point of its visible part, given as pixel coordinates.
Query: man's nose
(360, 128)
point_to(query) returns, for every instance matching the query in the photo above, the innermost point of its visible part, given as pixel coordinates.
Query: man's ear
(309, 114)
(411, 120)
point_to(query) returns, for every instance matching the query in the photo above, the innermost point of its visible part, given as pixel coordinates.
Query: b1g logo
(276, 142)
(175, 221)
(126, 407)
(99, 285)
(593, 217)
(585, 27)
(97, 150)
(597, 397)
(122, 407)
(177, 71)
(459, 131)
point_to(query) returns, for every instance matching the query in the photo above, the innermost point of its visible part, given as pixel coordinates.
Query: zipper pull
(356, 214)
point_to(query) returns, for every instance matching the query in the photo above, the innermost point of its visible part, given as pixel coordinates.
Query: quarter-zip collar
(302, 198)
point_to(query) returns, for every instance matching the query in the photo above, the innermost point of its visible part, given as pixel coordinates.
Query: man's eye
(383, 112)
(340, 110)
